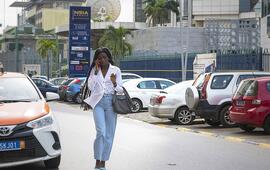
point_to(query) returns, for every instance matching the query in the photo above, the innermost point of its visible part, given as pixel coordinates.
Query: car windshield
(17, 89)
(245, 88)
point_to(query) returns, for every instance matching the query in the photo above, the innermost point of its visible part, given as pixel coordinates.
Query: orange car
(28, 130)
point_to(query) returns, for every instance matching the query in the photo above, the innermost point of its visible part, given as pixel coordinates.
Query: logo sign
(79, 41)
(6, 130)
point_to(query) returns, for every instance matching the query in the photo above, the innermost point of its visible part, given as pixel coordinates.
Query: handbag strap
(126, 94)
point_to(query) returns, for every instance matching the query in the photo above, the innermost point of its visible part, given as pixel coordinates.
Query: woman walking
(104, 80)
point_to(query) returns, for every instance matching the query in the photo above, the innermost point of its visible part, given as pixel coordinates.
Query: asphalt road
(143, 146)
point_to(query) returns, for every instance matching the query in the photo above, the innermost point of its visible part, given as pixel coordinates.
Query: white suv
(211, 94)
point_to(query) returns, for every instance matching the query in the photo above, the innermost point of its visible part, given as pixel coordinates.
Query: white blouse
(99, 85)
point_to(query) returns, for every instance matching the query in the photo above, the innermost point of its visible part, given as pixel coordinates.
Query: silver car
(171, 104)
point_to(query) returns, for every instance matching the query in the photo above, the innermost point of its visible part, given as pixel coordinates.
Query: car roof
(131, 81)
(12, 75)
(240, 72)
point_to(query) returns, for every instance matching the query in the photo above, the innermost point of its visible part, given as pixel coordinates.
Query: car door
(145, 90)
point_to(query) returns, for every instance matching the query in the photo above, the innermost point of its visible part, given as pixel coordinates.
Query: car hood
(21, 112)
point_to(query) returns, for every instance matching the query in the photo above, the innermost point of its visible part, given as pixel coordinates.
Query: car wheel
(225, 118)
(53, 163)
(183, 116)
(137, 105)
(213, 123)
(266, 125)
(78, 98)
(246, 128)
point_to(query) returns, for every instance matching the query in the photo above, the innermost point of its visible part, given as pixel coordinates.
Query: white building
(223, 9)
(167, 40)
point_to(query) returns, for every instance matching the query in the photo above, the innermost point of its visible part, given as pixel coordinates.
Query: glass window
(147, 85)
(243, 87)
(17, 89)
(165, 84)
(243, 77)
(268, 86)
(221, 81)
(252, 89)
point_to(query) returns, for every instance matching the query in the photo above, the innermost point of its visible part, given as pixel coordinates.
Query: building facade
(46, 14)
(139, 15)
(224, 10)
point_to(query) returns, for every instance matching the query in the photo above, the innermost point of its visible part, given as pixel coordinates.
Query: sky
(8, 15)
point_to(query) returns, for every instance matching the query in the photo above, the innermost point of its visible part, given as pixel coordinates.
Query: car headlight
(41, 122)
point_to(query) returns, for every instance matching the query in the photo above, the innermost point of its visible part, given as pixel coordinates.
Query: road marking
(209, 134)
(228, 138)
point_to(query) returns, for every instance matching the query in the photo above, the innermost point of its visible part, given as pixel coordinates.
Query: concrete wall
(265, 41)
(167, 40)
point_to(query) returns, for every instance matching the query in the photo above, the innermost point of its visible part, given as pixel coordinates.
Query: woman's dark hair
(98, 51)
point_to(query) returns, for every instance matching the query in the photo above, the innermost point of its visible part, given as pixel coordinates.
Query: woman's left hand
(113, 78)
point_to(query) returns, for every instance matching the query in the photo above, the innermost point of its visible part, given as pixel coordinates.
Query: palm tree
(44, 47)
(157, 11)
(114, 39)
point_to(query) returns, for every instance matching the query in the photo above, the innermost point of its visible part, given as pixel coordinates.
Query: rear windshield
(252, 89)
(247, 88)
(12, 89)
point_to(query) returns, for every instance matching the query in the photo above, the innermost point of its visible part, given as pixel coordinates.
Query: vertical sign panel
(79, 41)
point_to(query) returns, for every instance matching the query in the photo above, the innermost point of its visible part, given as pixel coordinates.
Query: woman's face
(103, 59)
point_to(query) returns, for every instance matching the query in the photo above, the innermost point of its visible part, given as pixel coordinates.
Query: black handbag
(84, 93)
(122, 103)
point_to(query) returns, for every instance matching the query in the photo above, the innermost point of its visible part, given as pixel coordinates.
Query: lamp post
(17, 49)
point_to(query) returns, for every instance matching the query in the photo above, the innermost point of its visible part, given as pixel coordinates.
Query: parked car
(251, 105)
(45, 86)
(129, 76)
(58, 80)
(40, 77)
(63, 88)
(171, 104)
(211, 95)
(74, 89)
(29, 132)
(140, 90)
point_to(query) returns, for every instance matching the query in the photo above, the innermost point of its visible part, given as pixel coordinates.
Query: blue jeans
(105, 120)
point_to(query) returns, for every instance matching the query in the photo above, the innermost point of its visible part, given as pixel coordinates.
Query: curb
(228, 138)
(209, 134)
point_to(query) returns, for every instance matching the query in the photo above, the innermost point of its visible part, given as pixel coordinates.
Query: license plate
(240, 103)
(10, 145)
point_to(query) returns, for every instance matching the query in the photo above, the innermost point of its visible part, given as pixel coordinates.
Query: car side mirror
(52, 96)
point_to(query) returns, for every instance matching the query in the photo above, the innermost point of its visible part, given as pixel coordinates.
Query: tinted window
(147, 85)
(243, 77)
(165, 84)
(17, 89)
(268, 86)
(221, 81)
(252, 89)
(241, 91)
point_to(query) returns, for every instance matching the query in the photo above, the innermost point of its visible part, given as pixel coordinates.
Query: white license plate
(10, 145)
